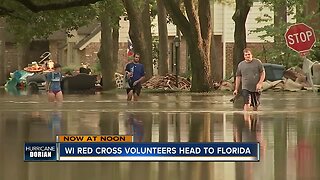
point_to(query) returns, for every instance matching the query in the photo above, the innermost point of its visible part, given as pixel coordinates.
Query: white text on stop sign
(299, 37)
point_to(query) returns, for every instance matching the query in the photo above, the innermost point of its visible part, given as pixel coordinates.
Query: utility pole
(176, 44)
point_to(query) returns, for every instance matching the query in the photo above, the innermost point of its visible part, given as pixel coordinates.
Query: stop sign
(300, 37)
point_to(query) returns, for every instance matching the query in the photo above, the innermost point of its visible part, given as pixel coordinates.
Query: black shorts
(136, 89)
(252, 98)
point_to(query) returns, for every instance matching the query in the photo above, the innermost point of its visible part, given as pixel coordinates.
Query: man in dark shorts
(252, 74)
(135, 75)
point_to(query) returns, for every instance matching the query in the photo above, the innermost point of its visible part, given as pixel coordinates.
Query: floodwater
(287, 127)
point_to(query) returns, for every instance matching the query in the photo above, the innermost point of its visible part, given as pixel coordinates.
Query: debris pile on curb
(294, 79)
(167, 82)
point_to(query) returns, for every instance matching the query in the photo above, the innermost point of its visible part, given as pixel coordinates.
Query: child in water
(53, 84)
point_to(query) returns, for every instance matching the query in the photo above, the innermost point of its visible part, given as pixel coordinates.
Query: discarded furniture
(78, 82)
(36, 82)
(307, 67)
(273, 71)
(316, 73)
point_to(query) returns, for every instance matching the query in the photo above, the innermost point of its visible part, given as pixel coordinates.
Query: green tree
(26, 19)
(44, 17)
(279, 53)
(41, 17)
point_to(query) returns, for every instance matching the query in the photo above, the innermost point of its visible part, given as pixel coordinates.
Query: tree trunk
(196, 29)
(312, 8)
(163, 38)
(203, 33)
(3, 64)
(200, 74)
(280, 16)
(140, 32)
(240, 43)
(115, 43)
(108, 66)
(216, 63)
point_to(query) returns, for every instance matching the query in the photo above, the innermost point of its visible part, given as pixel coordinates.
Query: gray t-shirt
(250, 74)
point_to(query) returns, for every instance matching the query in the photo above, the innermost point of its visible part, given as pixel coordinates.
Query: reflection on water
(134, 127)
(247, 127)
(55, 122)
(287, 128)
(289, 145)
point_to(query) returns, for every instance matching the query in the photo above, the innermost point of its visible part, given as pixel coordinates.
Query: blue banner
(215, 151)
(40, 152)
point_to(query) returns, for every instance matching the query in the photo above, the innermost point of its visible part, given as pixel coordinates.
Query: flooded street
(287, 127)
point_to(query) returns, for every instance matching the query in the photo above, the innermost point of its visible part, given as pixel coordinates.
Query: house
(14, 56)
(84, 44)
(79, 46)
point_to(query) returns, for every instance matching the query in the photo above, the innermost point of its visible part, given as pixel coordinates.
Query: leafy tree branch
(35, 7)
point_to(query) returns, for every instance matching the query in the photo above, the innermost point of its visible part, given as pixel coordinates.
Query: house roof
(83, 31)
(82, 44)
(58, 35)
(88, 29)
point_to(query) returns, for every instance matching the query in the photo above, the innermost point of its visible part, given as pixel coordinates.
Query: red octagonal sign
(300, 37)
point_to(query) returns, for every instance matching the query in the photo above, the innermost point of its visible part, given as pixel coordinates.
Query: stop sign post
(300, 37)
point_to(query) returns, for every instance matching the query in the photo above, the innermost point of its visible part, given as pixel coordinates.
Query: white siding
(124, 30)
(170, 26)
(228, 24)
(97, 37)
(218, 19)
(171, 30)
(223, 24)
(251, 23)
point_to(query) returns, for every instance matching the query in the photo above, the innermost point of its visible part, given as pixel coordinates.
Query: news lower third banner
(131, 151)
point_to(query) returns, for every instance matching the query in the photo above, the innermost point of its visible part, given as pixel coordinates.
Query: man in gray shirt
(252, 74)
